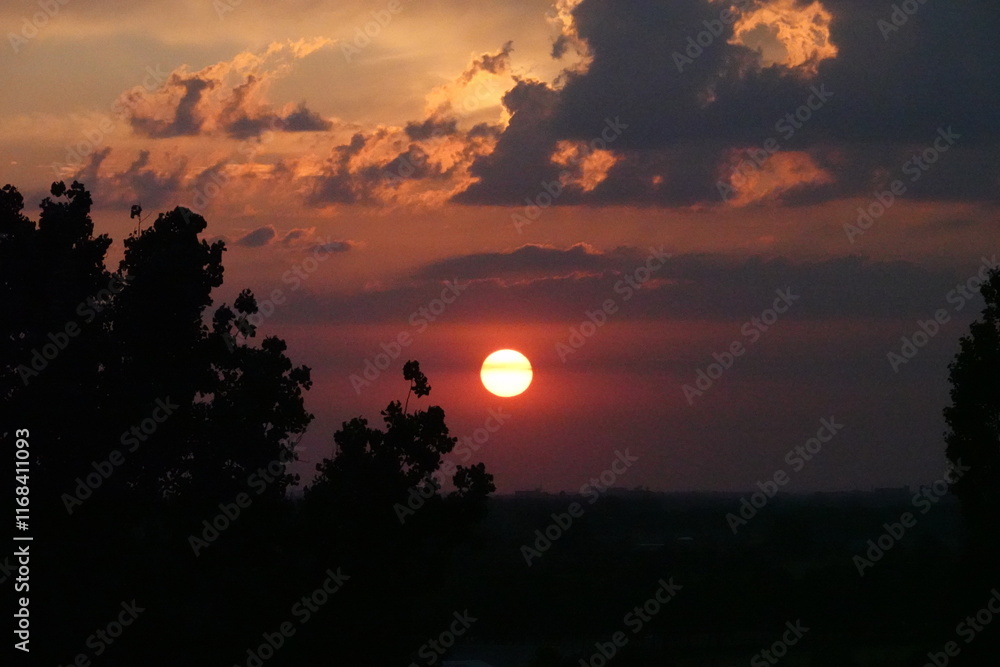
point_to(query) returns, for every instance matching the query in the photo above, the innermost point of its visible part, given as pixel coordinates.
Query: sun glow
(506, 373)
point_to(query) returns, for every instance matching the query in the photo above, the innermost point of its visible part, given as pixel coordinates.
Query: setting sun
(506, 373)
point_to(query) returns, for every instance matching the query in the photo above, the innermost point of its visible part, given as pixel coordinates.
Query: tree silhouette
(86, 355)
(382, 515)
(973, 419)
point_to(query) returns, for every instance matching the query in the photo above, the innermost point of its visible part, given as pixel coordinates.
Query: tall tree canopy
(150, 412)
(973, 418)
(145, 407)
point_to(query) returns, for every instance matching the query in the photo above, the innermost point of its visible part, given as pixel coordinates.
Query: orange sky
(411, 138)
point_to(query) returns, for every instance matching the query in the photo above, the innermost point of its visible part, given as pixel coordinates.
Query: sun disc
(506, 373)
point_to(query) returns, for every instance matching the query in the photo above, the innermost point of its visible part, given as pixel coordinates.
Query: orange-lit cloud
(784, 171)
(227, 97)
(787, 33)
(583, 167)
(561, 17)
(427, 161)
(476, 94)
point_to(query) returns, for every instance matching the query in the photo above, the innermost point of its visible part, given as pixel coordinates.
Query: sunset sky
(675, 169)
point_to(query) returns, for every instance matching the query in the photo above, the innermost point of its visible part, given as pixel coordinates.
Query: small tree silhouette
(418, 386)
(350, 507)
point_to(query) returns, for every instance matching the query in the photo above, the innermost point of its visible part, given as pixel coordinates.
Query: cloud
(529, 261)
(493, 63)
(228, 97)
(782, 174)
(186, 118)
(547, 284)
(431, 127)
(427, 160)
(569, 39)
(302, 119)
(689, 104)
(293, 238)
(788, 32)
(686, 115)
(261, 236)
(139, 182)
(476, 87)
(294, 235)
(520, 163)
(335, 246)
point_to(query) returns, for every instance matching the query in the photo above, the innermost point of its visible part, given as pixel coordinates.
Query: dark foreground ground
(634, 578)
(798, 584)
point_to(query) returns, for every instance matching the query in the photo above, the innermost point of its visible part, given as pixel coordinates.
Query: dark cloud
(151, 187)
(241, 122)
(88, 172)
(539, 284)
(890, 96)
(415, 162)
(897, 90)
(208, 181)
(338, 185)
(493, 63)
(334, 246)
(373, 178)
(305, 120)
(294, 235)
(529, 261)
(432, 127)
(259, 237)
(268, 235)
(485, 130)
(187, 120)
(184, 96)
(520, 162)
(137, 183)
